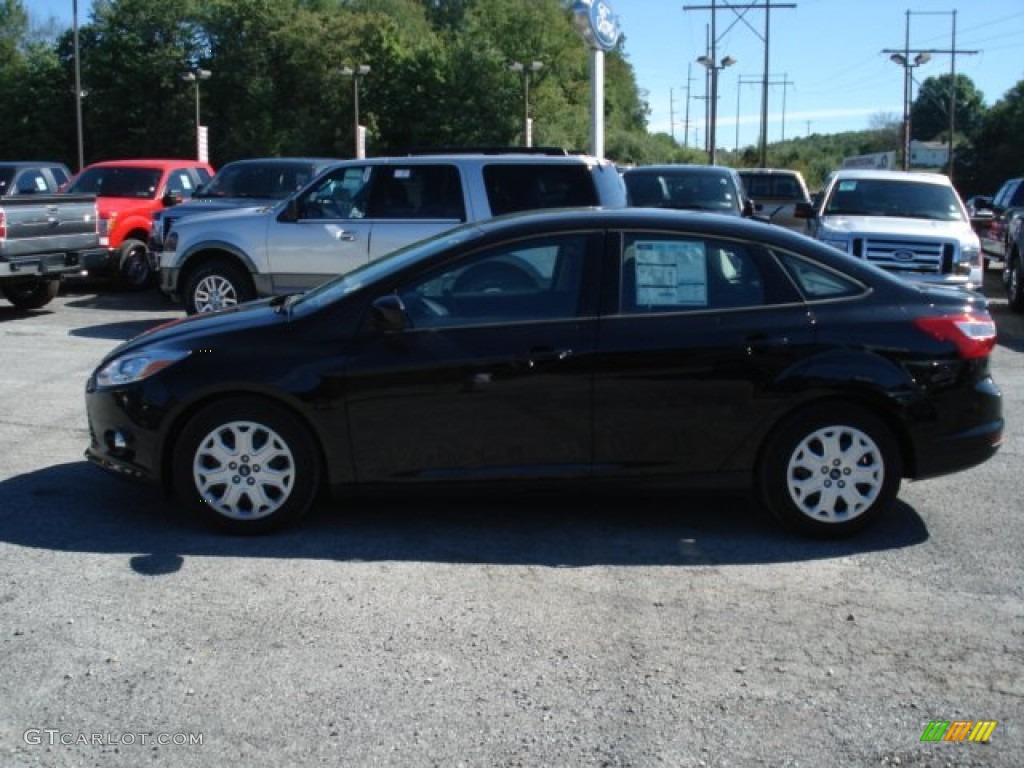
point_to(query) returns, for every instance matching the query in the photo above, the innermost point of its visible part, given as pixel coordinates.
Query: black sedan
(630, 346)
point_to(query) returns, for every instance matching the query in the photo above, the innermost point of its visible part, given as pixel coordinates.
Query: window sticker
(848, 185)
(402, 173)
(671, 272)
(40, 184)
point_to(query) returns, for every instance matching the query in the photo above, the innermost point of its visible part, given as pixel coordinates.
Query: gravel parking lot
(518, 631)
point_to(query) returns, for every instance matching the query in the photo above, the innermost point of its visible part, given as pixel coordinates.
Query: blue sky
(825, 55)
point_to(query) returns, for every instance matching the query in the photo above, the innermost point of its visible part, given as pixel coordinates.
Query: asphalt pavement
(570, 630)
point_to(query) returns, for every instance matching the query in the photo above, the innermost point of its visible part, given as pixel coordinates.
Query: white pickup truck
(910, 223)
(362, 209)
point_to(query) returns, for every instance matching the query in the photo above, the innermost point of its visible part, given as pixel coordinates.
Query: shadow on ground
(76, 507)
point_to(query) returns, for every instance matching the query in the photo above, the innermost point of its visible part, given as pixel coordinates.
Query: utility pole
(686, 120)
(902, 57)
(767, 6)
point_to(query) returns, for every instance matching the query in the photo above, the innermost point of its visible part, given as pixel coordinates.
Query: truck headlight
(968, 259)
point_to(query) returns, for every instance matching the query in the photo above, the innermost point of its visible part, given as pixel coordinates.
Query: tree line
(438, 76)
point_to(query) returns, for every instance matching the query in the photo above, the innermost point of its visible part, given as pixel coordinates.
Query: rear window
(772, 185)
(528, 187)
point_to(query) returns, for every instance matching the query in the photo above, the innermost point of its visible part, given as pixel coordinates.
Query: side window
(417, 192)
(341, 194)
(524, 187)
(816, 281)
(180, 183)
(527, 281)
(670, 274)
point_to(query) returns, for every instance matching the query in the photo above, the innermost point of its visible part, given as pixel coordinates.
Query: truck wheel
(830, 470)
(247, 466)
(31, 294)
(216, 285)
(1014, 288)
(133, 271)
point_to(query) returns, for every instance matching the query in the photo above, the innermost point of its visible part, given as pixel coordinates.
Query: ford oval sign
(596, 22)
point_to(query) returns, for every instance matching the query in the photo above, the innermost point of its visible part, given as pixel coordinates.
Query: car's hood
(215, 205)
(195, 330)
(109, 205)
(228, 214)
(894, 225)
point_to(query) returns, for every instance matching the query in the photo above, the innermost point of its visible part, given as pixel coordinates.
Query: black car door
(492, 379)
(689, 350)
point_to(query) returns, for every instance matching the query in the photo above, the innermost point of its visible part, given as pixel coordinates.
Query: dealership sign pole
(599, 28)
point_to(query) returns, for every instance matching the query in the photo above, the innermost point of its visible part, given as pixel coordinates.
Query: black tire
(134, 272)
(830, 470)
(1014, 286)
(246, 466)
(217, 284)
(31, 294)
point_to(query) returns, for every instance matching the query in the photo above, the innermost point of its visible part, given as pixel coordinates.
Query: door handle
(538, 355)
(345, 235)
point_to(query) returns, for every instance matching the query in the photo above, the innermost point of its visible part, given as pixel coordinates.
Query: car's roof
(160, 162)
(509, 158)
(760, 171)
(31, 164)
(864, 173)
(677, 167)
(284, 161)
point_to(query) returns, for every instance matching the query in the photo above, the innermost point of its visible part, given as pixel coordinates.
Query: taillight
(3, 225)
(973, 334)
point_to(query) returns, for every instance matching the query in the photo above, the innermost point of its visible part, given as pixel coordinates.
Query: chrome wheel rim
(244, 470)
(835, 474)
(214, 292)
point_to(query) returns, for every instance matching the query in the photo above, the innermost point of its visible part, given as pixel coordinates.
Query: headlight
(136, 367)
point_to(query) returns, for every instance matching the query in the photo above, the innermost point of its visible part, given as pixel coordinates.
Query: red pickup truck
(128, 192)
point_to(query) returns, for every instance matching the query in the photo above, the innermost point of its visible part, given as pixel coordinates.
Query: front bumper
(124, 432)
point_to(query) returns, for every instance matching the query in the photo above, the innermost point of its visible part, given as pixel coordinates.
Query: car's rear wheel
(246, 466)
(217, 285)
(31, 294)
(830, 470)
(1014, 287)
(134, 272)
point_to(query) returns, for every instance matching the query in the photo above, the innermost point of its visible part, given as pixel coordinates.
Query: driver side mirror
(803, 211)
(171, 198)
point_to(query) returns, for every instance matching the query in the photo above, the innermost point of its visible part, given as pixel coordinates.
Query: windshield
(690, 189)
(350, 282)
(894, 197)
(117, 182)
(274, 181)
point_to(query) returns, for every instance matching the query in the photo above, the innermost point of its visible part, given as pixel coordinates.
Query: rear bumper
(49, 265)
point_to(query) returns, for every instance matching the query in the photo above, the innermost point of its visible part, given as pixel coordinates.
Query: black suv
(711, 188)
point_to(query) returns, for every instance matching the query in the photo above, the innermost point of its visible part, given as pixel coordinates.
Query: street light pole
(714, 69)
(195, 76)
(524, 70)
(78, 88)
(356, 72)
(908, 67)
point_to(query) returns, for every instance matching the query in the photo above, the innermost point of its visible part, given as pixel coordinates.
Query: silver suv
(360, 210)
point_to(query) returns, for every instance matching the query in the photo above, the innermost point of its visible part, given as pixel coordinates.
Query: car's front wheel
(134, 272)
(217, 285)
(830, 470)
(246, 466)
(31, 294)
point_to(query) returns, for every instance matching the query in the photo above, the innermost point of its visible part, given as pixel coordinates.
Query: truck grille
(926, 257)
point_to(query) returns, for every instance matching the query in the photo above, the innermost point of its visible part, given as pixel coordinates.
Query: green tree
(930, 116)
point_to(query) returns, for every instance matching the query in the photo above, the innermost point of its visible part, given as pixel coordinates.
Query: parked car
(363, 209)
(129, 192)
(43, 237)
(912, 224)
(712, 188)
(1005, 208)
(1013, 269)
(250, 183)
(776, 192)
(32, 177)
(625, 345)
